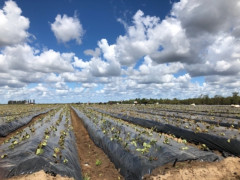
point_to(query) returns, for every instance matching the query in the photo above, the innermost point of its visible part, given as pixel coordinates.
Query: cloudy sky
(71, 50)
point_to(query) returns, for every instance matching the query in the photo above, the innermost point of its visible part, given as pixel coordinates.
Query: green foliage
(39, 151)
(3, 156)
(202, 99)
(86, 177)
(98, 162)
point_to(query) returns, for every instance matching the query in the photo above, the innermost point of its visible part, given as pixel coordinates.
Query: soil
(2, 139)
(90, 154)
(227, 169)
(41, 175)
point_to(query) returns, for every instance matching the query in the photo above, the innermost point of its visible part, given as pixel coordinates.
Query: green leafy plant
(65, 161)
(3, 156)
(98, 162)
(86, 177)
(39, 151)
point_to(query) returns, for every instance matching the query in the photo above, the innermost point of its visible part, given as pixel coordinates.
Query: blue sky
(90, 51)
(99, 19)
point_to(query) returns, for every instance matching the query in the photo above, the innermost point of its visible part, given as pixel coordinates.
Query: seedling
(3, 156)
(184, 148)
(204, 147)
(86, 177)
(153, 142)
(98, 162)
(65, 161)
(166, 141)
(134, 143)
(145, 148)
(39, 151)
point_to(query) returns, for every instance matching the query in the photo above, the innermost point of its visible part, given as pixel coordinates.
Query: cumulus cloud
(23, 58)
(94, 53)
(99, 68)
(137, 42)
(67, 28)
(207, 16)
(151, 72)
(200, 38)
(21, 65)
(13, 26)
(212, 29)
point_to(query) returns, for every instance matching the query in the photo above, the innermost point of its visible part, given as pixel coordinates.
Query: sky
(63, 51)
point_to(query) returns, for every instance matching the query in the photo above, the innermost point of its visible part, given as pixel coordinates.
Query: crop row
(7, 126)
(215, 137)
(12, 112)
(211, 110)
(134, 149)
(48, 144)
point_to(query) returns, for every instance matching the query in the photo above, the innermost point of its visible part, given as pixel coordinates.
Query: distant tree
(235, 98)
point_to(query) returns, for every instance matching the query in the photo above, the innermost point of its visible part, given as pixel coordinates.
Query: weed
(98, 162)
(86, 177)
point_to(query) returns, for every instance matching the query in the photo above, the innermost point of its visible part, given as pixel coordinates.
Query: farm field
(119, 141)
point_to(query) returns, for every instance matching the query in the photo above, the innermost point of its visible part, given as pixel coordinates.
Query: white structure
(235, 106)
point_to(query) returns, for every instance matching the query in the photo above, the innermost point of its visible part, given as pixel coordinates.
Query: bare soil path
(94, 162)
(40, 175)
(227, 169)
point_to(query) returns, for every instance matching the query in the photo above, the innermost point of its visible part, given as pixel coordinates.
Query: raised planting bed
(135, 150)
(212, 136)
(226, 120)
(10, 123)
(48, 144)
(222, 121)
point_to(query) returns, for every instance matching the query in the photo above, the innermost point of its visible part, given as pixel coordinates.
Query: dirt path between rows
(2, 139)
(227, 169)
(40, 175)
(90, 155)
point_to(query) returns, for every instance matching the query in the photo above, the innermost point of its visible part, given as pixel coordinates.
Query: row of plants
(145, 112)
(9, 125)
(216, 110)
(214, 136)
(48, 144)
(12, 112)
(134, 149)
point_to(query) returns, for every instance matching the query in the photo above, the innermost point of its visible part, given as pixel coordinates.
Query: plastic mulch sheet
(48, 144)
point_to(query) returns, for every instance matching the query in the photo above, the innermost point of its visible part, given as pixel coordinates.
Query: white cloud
(155, 58)
(52, 61)
(94, 53)
(23, 58)
(79, 63)
(150, 72)
(108, 50)
(20, 65)
(67, 28)
(99, 68)
(207, 16)
(13, 26)
(137, 42)
(52, 77)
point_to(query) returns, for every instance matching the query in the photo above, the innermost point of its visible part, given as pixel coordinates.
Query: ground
(227, 169)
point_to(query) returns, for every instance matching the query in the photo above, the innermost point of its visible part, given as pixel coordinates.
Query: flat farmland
(119, 141)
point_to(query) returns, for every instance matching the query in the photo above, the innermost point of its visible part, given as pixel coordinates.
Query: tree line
(203, 99)
(30, 101)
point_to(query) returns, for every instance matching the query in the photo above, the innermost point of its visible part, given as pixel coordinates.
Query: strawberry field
(137, 139)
